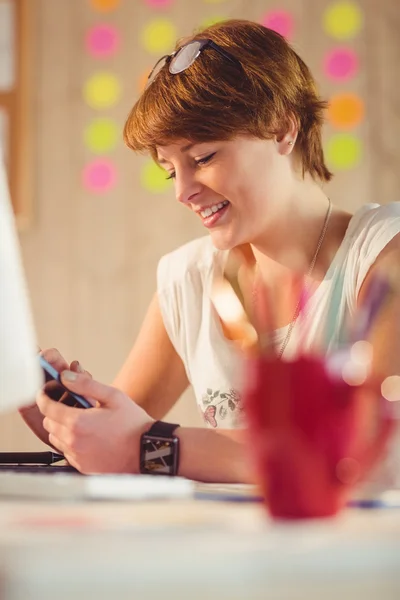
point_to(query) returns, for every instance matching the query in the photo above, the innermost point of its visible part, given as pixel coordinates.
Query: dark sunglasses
(184, 57)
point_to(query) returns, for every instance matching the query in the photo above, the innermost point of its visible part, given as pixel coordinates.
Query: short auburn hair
(217, 99)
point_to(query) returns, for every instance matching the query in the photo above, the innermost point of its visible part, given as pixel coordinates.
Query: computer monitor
(20, 372)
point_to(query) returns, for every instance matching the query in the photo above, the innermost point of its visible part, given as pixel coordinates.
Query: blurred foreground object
(312, 435)
(20, 373)
(319, 422)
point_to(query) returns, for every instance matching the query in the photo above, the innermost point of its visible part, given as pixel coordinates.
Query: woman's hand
(102, 439)
(31, 414)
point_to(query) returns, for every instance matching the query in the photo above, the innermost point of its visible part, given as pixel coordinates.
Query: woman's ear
(287, 139)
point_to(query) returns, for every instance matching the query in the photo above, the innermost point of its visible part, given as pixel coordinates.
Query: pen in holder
(313, 433)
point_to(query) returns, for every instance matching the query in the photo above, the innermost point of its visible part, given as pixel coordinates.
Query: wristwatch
(159, 450)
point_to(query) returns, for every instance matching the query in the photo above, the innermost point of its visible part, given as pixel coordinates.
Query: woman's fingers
(77, 367)
(56, 360)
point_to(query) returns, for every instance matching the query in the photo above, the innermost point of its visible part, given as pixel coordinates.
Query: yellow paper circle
(154, 179)
(343, 20)
(159, 36)
(344, 151)
(345, 111)
(102, 90)
(101, 135)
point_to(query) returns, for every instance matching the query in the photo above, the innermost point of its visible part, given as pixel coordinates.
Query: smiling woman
(234, 118)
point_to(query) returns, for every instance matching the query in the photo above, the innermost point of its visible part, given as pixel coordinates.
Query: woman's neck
(290, 244)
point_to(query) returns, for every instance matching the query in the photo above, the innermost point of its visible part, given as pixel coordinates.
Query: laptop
(20, 372)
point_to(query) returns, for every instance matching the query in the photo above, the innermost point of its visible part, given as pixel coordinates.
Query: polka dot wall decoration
(209, 21)
(343, 20)
(280, 21)
(344, 151)
(154, 179)
(102, 41)
(99, 176)
(341, 64)
(159, 3)
(104, 6)
(142, 81)
(102, 90)
(345, 110)
(159, 36)
(101, 135)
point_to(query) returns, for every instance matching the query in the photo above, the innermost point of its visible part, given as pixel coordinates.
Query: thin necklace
(307, 284)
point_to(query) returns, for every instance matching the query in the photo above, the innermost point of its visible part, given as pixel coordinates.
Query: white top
(211, 361)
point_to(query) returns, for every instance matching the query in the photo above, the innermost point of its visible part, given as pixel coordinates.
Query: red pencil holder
(313, 437)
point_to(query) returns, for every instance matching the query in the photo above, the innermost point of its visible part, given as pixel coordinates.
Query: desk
(192, 550)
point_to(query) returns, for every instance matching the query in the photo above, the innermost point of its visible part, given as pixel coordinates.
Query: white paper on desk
(137, 487)
(7, 45)
(68, 486)
(20, 373)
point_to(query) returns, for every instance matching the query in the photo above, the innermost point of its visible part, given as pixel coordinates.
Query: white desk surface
(193, 549)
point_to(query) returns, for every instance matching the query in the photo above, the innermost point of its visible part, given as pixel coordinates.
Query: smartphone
(56, 393)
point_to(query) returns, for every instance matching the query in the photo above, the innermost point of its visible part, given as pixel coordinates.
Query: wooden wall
(91, 259)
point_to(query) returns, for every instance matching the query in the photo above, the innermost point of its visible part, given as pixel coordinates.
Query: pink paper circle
(102, 41)
(341, 64)
(159, 3)
(99, 176)
(280, 21)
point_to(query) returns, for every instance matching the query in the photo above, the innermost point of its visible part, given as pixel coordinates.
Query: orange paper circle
(346, 111)
(105, 5)
(142, 81)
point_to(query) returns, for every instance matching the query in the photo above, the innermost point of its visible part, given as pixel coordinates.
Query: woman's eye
(203, 161)
(171, 176)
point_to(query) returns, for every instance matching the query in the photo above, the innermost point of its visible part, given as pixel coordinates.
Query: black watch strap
(162, 429)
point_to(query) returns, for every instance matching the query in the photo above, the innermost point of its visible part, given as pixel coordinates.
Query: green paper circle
(154, 179)
(101, 135)
(344, 151)
(208, 22)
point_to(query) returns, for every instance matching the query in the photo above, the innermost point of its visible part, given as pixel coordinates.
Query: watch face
(159, 456)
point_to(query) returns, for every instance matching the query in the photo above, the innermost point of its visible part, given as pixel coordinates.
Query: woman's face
(237, 188)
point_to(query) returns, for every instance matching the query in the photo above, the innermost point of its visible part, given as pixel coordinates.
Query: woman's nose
(186, 187)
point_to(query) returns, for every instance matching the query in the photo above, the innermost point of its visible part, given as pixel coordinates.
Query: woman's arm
(153, 375)
(106, 439)
(385, 332)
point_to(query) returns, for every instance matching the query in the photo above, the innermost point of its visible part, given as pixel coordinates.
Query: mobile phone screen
(59, 392)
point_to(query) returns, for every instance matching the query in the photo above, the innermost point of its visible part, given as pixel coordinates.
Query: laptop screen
(20, 373)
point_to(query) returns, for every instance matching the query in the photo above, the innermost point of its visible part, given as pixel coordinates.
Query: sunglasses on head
(184, 57)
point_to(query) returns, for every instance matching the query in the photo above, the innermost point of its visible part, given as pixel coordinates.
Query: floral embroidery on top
(217, 405)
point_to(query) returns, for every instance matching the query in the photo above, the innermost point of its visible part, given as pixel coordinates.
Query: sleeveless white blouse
(212, 362)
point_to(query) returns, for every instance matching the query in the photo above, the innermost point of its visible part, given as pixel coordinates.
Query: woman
(234, 118)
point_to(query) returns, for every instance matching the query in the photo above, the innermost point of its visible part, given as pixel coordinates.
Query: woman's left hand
(102, 439)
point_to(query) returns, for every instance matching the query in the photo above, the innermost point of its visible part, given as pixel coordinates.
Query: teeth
(207, 212)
